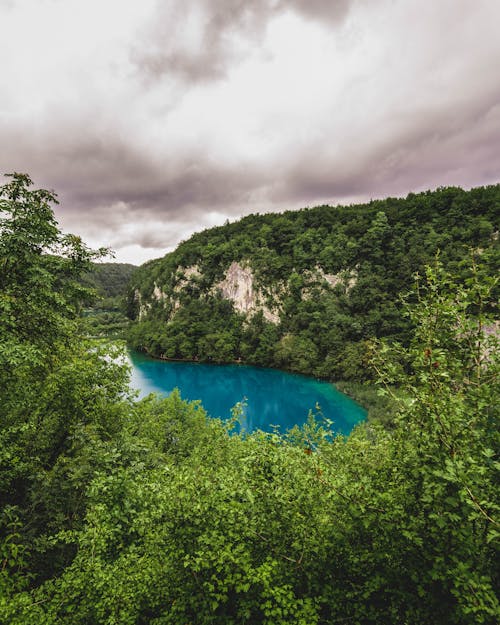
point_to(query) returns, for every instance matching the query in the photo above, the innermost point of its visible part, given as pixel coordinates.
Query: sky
(155, 119)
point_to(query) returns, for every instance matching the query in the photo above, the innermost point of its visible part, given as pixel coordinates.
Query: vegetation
(370, 253)
(105, 316)
(117, 511)
(109, 280)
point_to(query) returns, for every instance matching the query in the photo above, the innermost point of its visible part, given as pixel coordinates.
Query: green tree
(114, 511)
(52, 384)
(448, 440)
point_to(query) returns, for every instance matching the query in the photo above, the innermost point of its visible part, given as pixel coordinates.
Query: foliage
(57, 392)
(109, 279)
(146, 512)
(104, 315)
(370, 252)
(381, 408)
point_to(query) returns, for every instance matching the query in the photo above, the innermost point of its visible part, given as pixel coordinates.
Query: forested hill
(109, 279)
(305, 290)
(104, 314)
(115, 510)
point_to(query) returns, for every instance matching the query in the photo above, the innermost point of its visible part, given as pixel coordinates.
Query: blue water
(272, 397)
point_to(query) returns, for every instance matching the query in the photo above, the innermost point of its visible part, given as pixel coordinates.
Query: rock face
(185, 275)
(347, 279)
(143, 307)
(317, 277)
(238, 286)
(158, 294)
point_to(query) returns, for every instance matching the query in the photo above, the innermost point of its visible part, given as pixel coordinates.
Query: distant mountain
(306, 290)
(109, 279)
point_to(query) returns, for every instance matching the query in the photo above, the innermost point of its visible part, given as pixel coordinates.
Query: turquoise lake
(273, 397)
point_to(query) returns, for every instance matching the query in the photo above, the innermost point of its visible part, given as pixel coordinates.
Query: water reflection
(273, 398)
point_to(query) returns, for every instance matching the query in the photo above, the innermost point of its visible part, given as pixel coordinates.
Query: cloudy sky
(152, 119)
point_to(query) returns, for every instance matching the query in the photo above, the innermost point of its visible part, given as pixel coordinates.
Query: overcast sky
(152, 119)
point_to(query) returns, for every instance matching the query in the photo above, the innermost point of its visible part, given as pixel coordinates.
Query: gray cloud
(430, 150)
(220, 23)
(93, 173)
(415, 106)
(105, 182)
(333, 12)
(209, 52)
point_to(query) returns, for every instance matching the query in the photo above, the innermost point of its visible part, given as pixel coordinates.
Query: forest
(120, 511)
(105, 308)
(370, 253)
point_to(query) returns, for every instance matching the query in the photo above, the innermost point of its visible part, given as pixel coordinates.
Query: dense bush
(122, 512)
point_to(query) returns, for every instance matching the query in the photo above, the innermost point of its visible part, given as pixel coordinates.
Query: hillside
(109, 279)
(105, 315)
(307, 290)
(115, 510)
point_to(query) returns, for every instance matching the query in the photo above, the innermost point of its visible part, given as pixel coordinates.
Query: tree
(113, 511)
(53, 385)
(448, 438)
(39, 291)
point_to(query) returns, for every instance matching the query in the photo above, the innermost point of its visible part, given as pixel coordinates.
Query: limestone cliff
(238, 286)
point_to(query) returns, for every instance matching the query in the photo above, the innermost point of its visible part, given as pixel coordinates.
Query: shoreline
(363, 394)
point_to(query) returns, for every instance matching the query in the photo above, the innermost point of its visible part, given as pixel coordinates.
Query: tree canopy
(146, 512)
(369, 252)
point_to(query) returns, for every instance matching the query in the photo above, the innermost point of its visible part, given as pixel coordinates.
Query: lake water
(272, 397)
